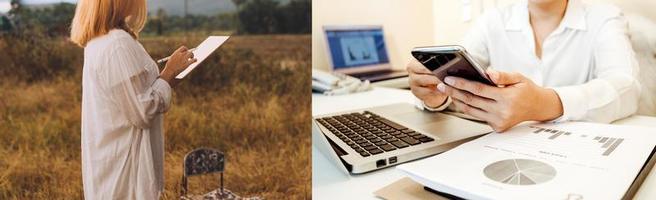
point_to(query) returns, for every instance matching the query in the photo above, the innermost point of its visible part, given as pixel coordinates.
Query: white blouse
(123, 102)
(588, 60)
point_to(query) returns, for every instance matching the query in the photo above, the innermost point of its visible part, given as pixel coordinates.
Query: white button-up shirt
(123, 103)
(588, 60)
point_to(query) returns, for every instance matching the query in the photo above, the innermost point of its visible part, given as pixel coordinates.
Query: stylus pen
(163, 60)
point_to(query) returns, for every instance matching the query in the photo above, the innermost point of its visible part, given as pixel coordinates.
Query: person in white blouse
(559, 60)
(124, 97)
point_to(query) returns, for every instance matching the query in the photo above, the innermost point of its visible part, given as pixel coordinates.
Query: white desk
(328, 182)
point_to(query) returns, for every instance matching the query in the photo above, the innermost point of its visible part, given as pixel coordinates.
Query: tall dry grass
(251, 101)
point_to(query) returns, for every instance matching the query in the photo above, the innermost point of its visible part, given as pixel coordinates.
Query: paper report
(573, 160)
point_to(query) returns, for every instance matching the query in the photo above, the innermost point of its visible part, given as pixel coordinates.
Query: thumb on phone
(504, 78)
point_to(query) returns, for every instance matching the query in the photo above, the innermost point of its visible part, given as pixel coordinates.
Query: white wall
(406, 24)
(642, 7)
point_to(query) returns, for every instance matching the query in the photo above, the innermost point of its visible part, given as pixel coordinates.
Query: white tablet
(202, 51)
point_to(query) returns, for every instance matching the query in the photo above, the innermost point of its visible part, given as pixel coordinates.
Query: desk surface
(329, 182)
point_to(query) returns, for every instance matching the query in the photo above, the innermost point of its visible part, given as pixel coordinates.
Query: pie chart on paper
(519, 172)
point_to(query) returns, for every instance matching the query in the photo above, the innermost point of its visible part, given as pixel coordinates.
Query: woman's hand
(179, 61)
(423, 84)
(503, 107)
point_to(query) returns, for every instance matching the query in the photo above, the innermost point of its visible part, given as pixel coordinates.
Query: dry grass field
(251, 100)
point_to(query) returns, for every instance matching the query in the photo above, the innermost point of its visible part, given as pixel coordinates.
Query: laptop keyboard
(369, 134)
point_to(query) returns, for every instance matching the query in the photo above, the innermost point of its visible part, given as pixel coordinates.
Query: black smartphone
(451, 60)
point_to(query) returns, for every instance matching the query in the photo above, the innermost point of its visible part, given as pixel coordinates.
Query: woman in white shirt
(124, 97)
(559, 60)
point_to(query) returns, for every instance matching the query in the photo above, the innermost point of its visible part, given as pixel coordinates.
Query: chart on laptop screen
(592, 161)
(356, 47)
(359, 50)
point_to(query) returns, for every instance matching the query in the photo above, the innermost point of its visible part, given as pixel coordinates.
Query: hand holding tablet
(201, 52)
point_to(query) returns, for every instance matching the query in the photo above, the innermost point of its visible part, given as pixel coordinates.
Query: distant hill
(196, 7)
(172, 7)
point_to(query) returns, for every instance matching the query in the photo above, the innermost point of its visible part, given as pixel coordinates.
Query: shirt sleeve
(614, 91)
(129, 87)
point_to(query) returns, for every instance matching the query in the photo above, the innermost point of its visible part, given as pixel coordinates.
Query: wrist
(551, 107)
(166, 76)
(436, 103)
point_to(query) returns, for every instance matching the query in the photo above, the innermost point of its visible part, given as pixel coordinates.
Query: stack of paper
(573, 160)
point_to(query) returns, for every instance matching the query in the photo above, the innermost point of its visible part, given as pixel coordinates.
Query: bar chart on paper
(608, 144)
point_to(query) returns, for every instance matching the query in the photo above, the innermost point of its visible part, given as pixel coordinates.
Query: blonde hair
(95, 18)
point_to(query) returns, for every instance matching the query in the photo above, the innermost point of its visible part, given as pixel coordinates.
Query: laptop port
(381, 163)
(392, 160)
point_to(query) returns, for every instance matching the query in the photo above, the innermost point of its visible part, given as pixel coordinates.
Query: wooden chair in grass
(203, 161)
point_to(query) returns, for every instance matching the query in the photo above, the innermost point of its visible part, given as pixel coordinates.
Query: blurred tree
(15, 5)
(59, 21)
(51, 21)
(158, 21)
(295, 17)
(5, 24)
(258, 16)
(269, 16)
(239, 2)
(12, 15)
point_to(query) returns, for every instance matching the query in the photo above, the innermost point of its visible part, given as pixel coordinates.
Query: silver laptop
(360, 51)
(364, 140)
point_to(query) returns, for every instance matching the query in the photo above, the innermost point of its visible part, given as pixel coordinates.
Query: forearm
(161, 96)
(139, 106)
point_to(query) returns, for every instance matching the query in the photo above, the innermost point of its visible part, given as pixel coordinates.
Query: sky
(5, 6)
(3, 2)
(44, 1)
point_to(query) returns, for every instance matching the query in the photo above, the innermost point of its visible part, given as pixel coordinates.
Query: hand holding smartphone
(451, 60)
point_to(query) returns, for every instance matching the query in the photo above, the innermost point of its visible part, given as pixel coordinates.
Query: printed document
(573, 160)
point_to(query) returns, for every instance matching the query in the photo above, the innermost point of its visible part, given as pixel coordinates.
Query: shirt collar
(574, 16)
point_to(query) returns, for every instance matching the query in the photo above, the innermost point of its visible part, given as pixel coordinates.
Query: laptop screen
(351, 48)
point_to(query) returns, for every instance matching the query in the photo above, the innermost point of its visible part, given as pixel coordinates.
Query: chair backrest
(202, 161)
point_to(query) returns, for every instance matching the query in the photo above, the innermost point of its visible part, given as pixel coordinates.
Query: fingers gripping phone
(451, 60)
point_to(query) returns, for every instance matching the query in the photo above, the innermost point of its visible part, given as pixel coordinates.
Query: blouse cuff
(573, 101)
(164, 90)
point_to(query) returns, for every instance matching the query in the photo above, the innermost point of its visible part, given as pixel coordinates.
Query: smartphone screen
(452, 63)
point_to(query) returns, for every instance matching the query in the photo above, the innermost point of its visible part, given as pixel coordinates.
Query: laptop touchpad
(430, 122)
(408, 115)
